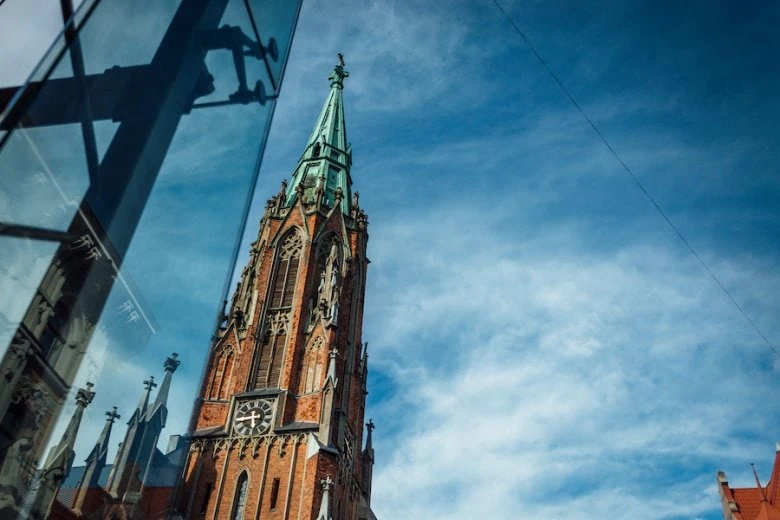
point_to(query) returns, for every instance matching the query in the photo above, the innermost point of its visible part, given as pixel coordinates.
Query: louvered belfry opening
(277, 318)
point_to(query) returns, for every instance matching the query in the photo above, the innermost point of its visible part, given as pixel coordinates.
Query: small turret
(368, 460)
(60, 460)
(324, 512)
(95, 462)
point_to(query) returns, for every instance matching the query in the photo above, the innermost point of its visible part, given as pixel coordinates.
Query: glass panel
(274, 20)
(125, 177)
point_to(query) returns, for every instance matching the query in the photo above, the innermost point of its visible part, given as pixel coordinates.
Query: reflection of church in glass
(141, 481)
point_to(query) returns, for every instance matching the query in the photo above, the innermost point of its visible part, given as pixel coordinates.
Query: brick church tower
(279, 424)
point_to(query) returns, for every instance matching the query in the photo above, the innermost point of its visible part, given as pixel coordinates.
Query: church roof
(754, 503)
(166, 468)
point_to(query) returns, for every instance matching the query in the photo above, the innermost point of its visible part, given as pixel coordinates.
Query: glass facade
(127, 163)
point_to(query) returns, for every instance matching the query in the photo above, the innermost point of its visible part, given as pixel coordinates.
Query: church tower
(279, 424)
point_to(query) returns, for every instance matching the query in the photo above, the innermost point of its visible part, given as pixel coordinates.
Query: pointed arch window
(221, 373)
(239, 502)
(286, 271)
(328, 275)
(312, 371)
(277, 323)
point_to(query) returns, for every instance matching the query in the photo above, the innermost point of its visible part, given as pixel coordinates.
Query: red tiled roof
(768, 512)
(751, 502)
(773, 487)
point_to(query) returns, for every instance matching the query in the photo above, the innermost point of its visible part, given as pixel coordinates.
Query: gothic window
(328, 276)
(222, 372)
(312, 366)
(316, 151)
(286, 271)
(239, 502)
(271, 355)
(227, 371)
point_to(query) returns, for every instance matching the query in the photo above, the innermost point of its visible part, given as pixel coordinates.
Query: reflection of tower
(46, 480)
(51, 344)
(279, 424)
(141, 481)
(89, 490)
(134, 457)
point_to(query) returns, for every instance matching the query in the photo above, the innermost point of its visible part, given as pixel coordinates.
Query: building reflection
(82, 145)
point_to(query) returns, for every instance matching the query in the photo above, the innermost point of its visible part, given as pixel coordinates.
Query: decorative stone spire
(324, 513)
(60, 460)
(368, 459)
(364, 369)
(143, 404)
(133, 461)
(331, 374)
(369, 441)
(95, 462)
(170, 365)
(327, 155)
(59, 454)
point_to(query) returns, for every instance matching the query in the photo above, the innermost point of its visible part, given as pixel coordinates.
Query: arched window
(239, 502)
(227, 371)
(327, 275)
(277, 322)
(312, 367)
(289, 257)
(222, 368)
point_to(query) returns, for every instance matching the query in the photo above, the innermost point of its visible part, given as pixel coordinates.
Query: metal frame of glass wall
(127, 164)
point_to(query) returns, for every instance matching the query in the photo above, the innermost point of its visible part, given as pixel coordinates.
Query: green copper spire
(326, 160)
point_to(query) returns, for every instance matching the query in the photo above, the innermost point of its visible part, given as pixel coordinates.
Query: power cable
(637, 181)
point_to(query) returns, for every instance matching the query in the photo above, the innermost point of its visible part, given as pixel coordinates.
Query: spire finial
(84, 396)
(171, 364)
(112, 415)
(149, 384)
(337, 76)
(370, 425)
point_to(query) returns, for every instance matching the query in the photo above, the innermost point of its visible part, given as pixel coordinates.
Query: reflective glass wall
(127, 162)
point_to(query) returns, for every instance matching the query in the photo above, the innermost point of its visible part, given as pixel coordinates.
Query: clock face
(252, 417)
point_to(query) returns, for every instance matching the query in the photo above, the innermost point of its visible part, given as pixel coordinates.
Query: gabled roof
(755, 503)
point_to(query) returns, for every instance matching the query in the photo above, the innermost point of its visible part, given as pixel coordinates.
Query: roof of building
(166, 470)
(754, 503)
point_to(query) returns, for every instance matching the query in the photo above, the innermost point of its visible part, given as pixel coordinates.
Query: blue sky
(541, 342)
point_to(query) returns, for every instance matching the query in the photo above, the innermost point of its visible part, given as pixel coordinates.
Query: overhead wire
(636, 180)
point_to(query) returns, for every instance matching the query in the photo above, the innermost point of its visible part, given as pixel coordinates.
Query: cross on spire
(171, 363)
(337, 76)
(112, 415)
(149, 384)
(370, 425)
(326, 483)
